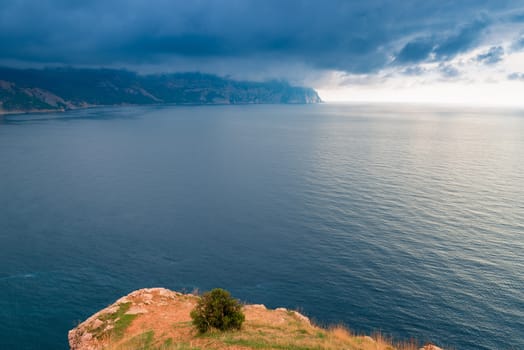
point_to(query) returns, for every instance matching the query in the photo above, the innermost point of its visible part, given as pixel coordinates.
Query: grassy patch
(263, 344)
(121, 325)
(122, 309)
(146, 341)
(182, 324)
(142, 341)
(118, 319)
(184, 346)
(258, 339)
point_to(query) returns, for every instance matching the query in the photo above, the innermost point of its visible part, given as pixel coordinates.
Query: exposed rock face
(430, 347)
(67, 88)
(98, 330)
(15, 98)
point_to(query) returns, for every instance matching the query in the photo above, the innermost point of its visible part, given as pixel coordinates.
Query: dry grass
(292, 334)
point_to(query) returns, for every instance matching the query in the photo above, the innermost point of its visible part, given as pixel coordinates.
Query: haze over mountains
(50, 89)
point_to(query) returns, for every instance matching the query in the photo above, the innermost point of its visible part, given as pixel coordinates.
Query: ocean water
(407, 220)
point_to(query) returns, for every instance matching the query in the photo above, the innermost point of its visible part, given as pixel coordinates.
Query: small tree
(217, 309)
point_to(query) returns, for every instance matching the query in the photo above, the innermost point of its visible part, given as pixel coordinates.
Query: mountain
(58, 89)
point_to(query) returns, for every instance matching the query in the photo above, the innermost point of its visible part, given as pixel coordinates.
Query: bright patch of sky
(487, 75)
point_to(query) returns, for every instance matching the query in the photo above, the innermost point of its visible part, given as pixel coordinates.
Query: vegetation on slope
(66, 88)
(217, 310)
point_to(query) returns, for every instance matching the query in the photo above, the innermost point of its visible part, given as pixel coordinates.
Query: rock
(167, 293)
(96, 323)
(430, 347)
(112, 309)
(301, 317)
(86, 337)
(135, 310)
(369, 339)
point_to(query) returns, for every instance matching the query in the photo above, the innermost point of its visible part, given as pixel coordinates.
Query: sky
(462, 51)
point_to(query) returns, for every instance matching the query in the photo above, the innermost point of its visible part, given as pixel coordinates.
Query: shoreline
(47, 111)
(33, 111)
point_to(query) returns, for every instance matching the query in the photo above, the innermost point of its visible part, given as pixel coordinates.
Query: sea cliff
(59, 89)
(159, 319)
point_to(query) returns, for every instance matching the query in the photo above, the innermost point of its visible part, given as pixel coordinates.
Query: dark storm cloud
(465, 39)
(357, 36)
(443, 46)
(416, 51)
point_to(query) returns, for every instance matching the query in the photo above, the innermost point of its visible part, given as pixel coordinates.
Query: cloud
(447, 45)
(448, 71)
(463, 40)
(230, 35)
(414, 71)
(516, 76)
(517, 17)
(444, 47)
(416, 51)
(492, 56)
(518, 43)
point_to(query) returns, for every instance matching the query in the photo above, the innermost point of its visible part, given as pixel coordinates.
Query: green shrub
(217, 309)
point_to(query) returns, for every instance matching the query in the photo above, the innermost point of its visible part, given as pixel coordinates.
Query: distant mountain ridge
(58, 89)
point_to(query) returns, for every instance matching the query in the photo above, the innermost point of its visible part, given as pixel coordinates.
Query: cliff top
(158, 319)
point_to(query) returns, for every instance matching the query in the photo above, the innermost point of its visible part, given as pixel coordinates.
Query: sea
(406, 220)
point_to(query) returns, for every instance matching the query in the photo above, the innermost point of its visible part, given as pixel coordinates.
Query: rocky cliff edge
(159, 319)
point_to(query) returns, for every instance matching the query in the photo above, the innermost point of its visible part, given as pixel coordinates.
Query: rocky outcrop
(159, 319)
(154, 305)
(430, 347)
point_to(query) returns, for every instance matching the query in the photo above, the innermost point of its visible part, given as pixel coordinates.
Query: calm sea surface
(403, 219)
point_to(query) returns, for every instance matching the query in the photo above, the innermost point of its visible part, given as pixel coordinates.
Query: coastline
(32, 111)
(63, 110)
